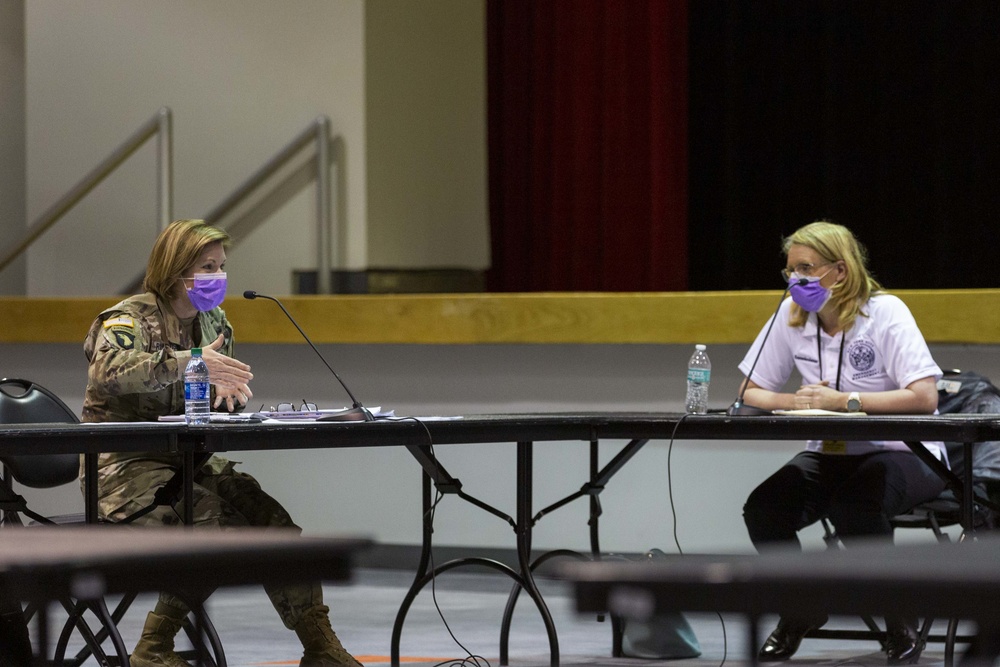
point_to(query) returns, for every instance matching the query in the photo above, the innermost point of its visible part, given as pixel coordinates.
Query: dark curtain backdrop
(882, 115)
(587, 145)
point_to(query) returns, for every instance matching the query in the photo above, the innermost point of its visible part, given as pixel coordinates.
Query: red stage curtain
(588, 144)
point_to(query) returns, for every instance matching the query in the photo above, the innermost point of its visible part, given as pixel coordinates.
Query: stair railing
(317, 133)
(160, 126)
(249, 205)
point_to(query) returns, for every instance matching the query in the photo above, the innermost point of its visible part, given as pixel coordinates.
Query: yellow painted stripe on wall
(944, 316)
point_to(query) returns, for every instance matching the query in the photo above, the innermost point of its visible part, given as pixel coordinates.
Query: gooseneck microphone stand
(357, 412)
(739, 408)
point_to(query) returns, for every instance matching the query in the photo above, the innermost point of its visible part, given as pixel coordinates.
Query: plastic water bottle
(699, 375)
(197, 395)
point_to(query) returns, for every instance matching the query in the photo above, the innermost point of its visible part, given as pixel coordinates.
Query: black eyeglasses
(290, 407)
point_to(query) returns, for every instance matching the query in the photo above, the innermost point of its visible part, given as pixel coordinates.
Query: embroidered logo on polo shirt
(861, 354)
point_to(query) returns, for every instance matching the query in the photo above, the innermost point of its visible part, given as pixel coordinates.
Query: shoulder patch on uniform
(121, 336)
(120, 321)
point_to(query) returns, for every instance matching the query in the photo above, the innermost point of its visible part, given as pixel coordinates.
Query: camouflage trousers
(229, 500)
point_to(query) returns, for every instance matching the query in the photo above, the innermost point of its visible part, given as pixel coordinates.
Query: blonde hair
(835, 243)
(176, 249)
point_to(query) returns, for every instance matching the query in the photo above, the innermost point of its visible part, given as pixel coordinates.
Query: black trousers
(857, 493)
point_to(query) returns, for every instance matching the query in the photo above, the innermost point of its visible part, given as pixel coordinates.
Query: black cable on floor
(673, 513)
(474, 660)
(471, 659)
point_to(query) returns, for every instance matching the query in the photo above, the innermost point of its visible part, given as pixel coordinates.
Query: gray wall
(12, 151)
(377, 491)
(426, 130)
(402, 81)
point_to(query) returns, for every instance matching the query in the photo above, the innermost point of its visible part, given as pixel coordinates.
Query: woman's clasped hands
(819, 396)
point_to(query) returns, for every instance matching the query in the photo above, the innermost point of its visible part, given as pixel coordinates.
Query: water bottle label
(196, 391)
(699, 374)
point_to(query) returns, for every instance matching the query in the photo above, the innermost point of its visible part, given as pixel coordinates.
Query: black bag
(965, 392)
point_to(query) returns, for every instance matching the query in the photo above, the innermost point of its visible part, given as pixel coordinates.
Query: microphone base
(355, 414)
(741, 409)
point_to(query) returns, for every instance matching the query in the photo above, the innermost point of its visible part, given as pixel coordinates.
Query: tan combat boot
(156, 645)
(321, 648)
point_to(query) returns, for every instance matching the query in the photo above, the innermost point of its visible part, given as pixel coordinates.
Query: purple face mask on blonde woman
(208, 291)
(812, 296)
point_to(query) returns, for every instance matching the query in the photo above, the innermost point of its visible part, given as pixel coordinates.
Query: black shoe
(902, 643)
(785, 640)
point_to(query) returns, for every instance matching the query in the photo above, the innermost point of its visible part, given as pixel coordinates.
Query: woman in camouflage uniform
(137, 351)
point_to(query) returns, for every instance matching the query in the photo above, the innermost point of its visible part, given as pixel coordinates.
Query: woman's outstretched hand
(230, 376)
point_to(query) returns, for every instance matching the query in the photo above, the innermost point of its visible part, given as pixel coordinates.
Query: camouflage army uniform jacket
(137, 351)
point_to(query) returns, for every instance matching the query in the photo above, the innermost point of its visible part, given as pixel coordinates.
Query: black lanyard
(819, 351)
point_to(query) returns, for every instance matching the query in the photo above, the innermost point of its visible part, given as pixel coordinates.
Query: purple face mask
(812, 296)
(209, 290)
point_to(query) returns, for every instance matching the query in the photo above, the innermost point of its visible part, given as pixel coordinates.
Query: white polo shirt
(880, 352)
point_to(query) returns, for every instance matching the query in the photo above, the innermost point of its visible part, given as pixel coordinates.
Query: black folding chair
(26, 402)
(959, 392)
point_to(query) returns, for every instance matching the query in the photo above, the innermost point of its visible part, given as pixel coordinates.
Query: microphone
(739, 408)
(356, 413)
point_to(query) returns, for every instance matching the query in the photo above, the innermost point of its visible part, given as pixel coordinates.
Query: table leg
(425, 557)
(968, 496)
(42, 656)
(524, 522)
(188, 477)
(90, 486)
(595, 503)
(435, 473)
(962, 486)
(753, 631)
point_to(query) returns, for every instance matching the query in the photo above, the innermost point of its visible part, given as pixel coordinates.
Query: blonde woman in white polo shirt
(856, 349)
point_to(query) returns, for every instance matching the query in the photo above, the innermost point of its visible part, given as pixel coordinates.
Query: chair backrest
(24, 402)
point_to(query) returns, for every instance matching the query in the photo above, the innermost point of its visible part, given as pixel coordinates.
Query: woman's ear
(179, 287)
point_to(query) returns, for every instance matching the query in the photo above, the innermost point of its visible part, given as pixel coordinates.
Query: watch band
(854, 402)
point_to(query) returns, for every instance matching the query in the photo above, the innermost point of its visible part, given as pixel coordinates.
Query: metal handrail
(317, 132)
(318, 168)
(161, 126)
